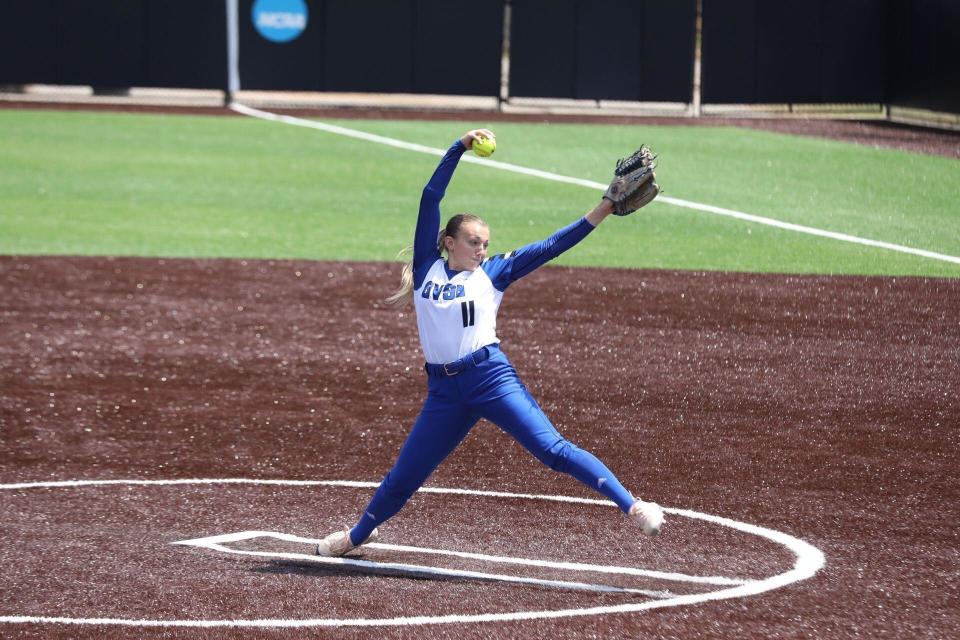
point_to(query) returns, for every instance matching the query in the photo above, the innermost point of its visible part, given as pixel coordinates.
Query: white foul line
(546, 175)
(809, 560)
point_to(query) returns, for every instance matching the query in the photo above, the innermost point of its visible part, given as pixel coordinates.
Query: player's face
(469, 247)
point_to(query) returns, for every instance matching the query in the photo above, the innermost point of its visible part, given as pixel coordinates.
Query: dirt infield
(821, 408)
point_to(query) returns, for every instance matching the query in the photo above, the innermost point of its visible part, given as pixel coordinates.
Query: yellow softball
(484, 147)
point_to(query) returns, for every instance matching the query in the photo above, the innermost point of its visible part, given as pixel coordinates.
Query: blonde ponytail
(402, 295)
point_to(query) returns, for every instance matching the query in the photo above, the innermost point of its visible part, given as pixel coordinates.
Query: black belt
(464, 363)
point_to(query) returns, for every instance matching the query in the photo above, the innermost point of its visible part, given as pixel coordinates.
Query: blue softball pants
(489, 389)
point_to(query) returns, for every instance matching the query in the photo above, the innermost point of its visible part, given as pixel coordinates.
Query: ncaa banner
(279, 20)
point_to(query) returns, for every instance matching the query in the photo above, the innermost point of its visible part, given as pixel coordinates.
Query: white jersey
(456, 313)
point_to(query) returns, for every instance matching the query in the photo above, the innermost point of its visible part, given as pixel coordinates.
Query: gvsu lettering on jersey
(447, 291)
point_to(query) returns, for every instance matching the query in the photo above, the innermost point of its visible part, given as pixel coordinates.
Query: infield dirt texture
(822, 407)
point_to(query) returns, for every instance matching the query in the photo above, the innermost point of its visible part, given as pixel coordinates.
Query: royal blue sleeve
(428, 221)
(506, 269)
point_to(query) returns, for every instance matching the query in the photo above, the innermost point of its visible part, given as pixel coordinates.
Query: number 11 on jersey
(466, 309)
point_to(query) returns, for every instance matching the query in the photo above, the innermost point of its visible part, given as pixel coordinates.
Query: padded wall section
(186, 44)
(296, 65)
(923, 49)
(457, 46)
(793, 51)
(102, 43)
(603, 49)
(28, 42)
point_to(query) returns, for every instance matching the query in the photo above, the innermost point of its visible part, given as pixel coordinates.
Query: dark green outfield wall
(901, 52)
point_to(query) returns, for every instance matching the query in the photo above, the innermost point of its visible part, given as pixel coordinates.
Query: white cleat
(648, 515)
(338, 543)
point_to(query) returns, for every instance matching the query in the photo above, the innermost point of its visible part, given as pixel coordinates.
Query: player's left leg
(519, 415)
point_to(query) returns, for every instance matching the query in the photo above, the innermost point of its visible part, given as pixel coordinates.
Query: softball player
(468, 376)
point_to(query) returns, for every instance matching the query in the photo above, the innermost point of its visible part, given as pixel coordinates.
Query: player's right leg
(443, 423)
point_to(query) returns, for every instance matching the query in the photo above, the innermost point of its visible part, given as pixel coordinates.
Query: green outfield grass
(154, 185)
